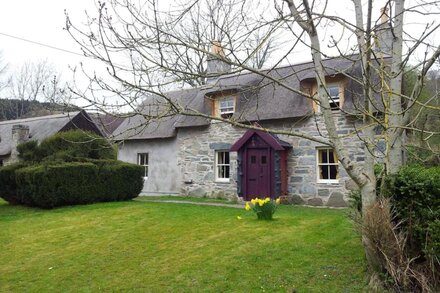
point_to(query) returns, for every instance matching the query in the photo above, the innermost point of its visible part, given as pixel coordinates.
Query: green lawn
(162, 247)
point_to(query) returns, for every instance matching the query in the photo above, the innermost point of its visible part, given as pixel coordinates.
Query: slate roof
(107, 123)
(44, 126)
(259, 98)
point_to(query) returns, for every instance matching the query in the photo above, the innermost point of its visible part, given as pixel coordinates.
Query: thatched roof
(259, 98)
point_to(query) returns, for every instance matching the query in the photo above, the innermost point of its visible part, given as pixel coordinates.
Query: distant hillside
(14, 109)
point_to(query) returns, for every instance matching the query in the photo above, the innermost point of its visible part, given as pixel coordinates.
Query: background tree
(35, 89)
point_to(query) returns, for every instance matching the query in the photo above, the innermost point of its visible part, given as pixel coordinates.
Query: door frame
(270, 179)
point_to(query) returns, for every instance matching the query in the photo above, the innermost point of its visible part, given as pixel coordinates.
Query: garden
(139, 246)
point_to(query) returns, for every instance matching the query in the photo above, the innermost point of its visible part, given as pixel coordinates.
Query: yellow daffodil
(278, 201)
(247, 207)
(261, 202)
(254, 201)
(239, 218)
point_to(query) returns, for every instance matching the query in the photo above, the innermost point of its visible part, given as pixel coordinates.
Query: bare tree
(31, 85)
(157, 55)
(148, 49)
(154, 37)
(4, 82)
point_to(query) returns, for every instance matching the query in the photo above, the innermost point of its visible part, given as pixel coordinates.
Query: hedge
(8, 184)
(69, 183)
(66, 145)
(415, 196)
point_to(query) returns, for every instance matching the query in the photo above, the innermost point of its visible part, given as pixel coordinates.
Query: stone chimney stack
(384, 35)
(20, 134)
(217, 66)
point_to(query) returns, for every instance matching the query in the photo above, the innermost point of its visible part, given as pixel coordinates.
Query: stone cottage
(192, 155)
(15, 132)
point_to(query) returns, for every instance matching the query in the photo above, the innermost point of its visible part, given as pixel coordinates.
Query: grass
(162, 247)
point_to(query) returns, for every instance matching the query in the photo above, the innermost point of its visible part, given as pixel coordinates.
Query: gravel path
(215, 204)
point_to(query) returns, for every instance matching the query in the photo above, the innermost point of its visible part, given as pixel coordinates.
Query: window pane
(333, 172)
(220, 158)
(146, 171)
(324, 172)
(323, 156)
(143, 159)
(253, 159)
(331, 156)
(263, 160)
(226, 157)
(333, 91)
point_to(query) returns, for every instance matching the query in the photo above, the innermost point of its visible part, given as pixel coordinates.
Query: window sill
(222, 181)
(331, 181)
(145, 178)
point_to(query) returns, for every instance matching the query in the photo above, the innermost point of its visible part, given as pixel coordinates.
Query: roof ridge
(15, 121)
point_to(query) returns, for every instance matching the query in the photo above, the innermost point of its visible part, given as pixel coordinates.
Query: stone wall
(196, 160)
(302, 162)
(197, 147)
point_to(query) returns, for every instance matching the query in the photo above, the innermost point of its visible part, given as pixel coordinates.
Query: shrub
(121, 181)
(68, 183)
(385, 245)
(64, 146)
(8, 185)
(29, 151)
(263, 208)
(415, 196)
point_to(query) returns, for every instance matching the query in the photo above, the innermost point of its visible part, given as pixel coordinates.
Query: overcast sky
(42, 21)
(39, 21)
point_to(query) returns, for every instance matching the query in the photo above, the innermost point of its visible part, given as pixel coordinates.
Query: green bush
(29, 151)
(64, 146)
(8, 185)
(415, 197)
(121, 181)
(422, 156)
(69, 183)
(73, 167)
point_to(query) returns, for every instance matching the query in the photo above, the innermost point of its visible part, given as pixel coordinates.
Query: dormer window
(224, 106)
(333, 94)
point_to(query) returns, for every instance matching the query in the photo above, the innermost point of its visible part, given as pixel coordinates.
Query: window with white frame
(226, 106)
(328, 166)
(222, 166)
(333, 93)
(143, 161)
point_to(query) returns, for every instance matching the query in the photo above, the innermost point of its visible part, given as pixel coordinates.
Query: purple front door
(258, 173)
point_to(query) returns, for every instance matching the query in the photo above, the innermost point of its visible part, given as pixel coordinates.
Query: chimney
(20, 134)
(384, 17)
(217, 66)
(384, 35)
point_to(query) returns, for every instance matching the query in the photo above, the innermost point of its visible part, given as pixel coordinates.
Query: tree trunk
(394, 153)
